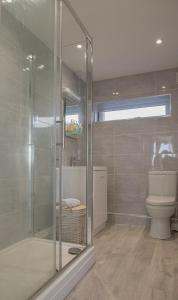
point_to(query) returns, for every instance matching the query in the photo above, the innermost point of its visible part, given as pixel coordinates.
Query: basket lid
(79, 207)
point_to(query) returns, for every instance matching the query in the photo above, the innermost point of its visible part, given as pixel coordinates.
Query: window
(155, 106)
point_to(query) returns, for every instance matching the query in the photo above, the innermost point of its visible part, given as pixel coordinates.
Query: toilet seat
(160, 200)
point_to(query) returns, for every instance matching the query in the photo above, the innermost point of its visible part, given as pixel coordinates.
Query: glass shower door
(27, 146)
(33, 76)
(74, 154)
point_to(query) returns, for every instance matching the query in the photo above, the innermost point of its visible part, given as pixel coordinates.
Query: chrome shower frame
(67, 278)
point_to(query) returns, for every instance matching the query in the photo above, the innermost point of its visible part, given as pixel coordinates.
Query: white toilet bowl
(160, 208)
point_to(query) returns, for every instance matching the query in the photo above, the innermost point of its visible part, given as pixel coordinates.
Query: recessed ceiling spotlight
(115, 93)
(163, 87)
(79, 46)
(159, 41)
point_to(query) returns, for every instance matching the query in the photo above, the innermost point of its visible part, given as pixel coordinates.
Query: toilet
(161, 202)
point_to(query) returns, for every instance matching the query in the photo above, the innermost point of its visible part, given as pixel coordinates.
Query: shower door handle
(63, 131)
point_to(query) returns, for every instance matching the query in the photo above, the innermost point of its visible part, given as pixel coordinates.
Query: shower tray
(25, 266)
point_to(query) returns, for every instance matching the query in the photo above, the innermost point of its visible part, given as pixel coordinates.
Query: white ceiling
(125, 31)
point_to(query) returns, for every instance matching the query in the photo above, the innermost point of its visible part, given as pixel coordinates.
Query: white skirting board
(62, 285)
(124, 218)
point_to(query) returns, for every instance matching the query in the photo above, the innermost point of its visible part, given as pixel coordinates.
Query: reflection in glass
(27, 239)
(73, 163)
(163, 152)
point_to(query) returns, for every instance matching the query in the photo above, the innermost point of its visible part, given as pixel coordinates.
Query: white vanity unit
(74, 180)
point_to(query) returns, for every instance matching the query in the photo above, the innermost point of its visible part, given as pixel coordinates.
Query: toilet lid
(160, 200)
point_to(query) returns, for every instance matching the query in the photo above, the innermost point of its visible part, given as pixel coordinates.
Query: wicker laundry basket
(74, 224)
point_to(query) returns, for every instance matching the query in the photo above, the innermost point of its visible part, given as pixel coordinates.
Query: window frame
(132, 103)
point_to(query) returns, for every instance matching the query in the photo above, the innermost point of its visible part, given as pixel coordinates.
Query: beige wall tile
(131, 163)
(127, 143)
(139, 145)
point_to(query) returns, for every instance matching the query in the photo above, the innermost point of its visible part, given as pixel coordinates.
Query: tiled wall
(26, 187)
(126, 147)
(14, 129)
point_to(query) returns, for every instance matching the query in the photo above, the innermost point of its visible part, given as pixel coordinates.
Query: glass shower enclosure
(45, 134)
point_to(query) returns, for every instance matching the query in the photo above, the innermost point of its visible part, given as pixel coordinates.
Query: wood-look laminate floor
(131, 266)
